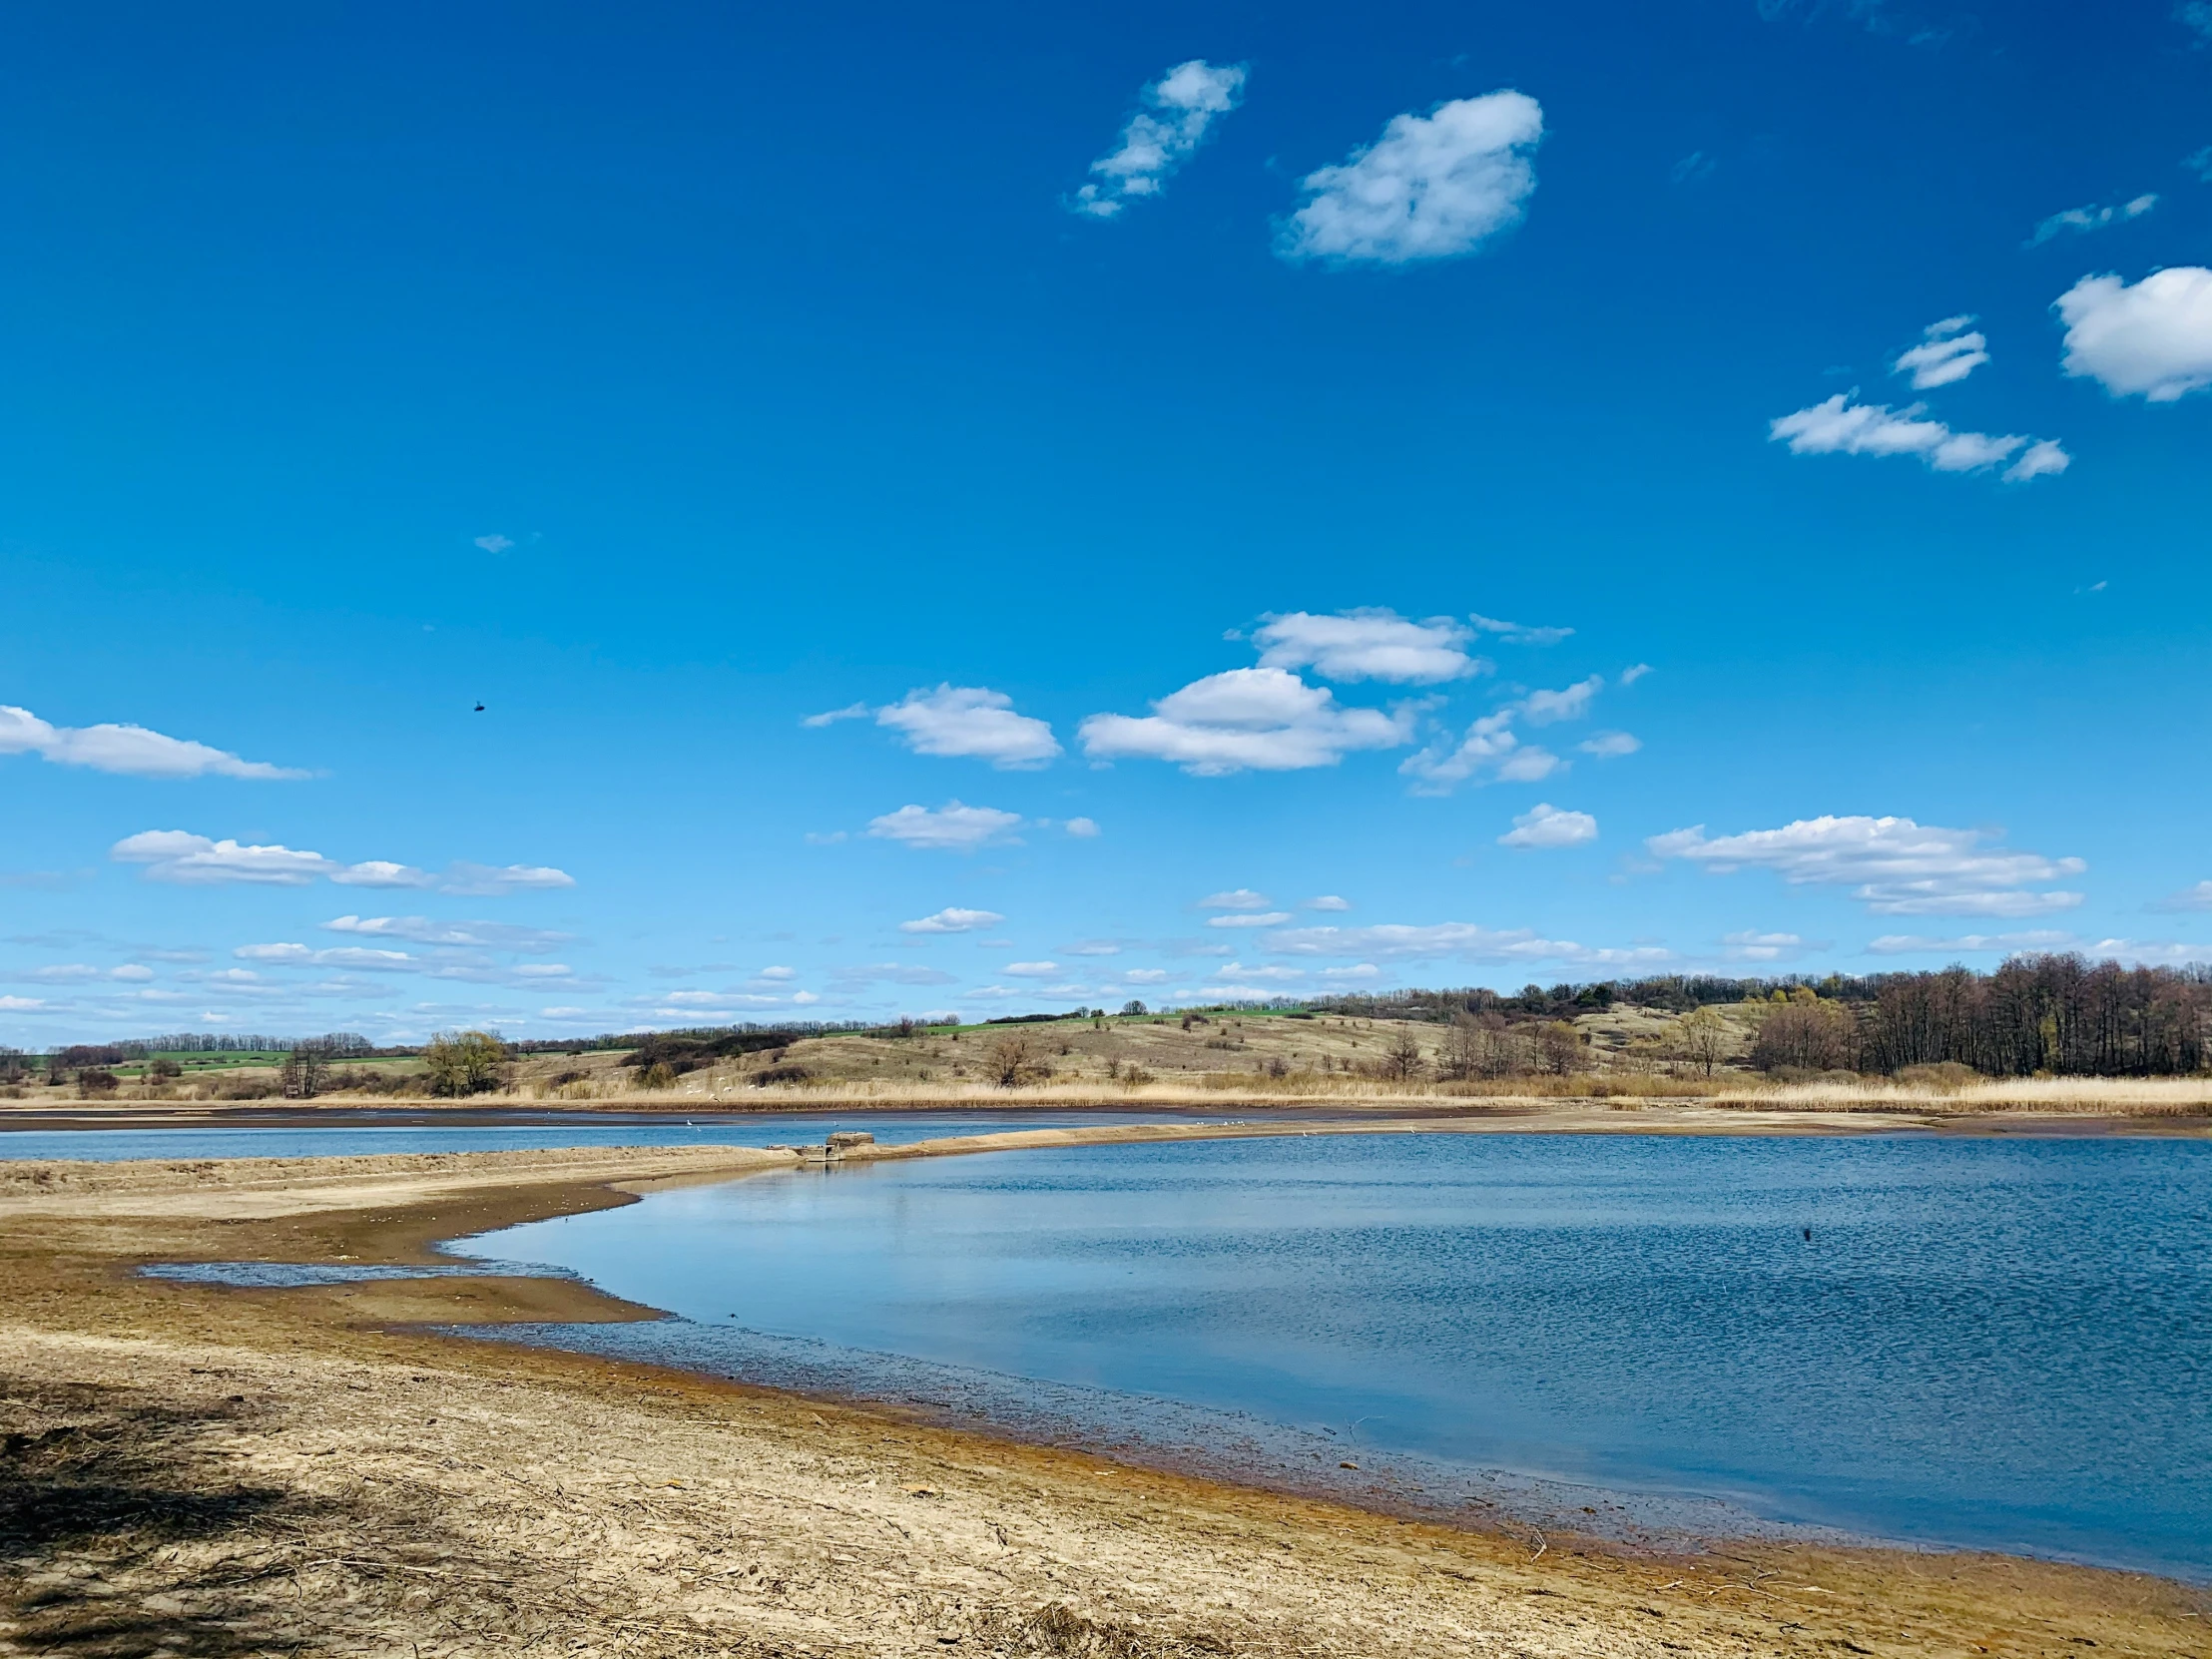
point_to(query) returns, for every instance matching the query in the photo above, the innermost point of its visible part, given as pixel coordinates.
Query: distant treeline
(2061, 1014)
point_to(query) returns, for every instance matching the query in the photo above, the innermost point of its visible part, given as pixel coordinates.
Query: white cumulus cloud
(1262, 718)
(1369, 644)
(952, 919)
(1434, 187)
(1179, 109)
(971, 721)
(1840, 426)
(1260, 919)
(1328, 901)
(1083, 828)
(1895, 866)
(176, 855)
(1946, 353)
(2153, 339)
(132, 750)
(952, 827)
(1032, 970)
(1546, 825)
(2085, 220)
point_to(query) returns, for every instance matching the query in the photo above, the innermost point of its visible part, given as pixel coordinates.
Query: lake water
(1991, 1342)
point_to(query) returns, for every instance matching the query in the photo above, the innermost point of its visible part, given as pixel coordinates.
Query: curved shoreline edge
(1298, 1574)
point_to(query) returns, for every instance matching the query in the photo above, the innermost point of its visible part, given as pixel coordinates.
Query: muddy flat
(202, 1470)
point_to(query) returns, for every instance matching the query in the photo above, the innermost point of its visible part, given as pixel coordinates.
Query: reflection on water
(2001, 1344)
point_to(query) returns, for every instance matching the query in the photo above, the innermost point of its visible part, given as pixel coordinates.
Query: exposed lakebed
(1999, 1344)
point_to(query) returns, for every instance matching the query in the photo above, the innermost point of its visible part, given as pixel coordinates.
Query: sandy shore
(193, 1470)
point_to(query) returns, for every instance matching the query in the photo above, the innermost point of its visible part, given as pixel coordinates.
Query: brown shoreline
(288, 1479)
(1524, 1114)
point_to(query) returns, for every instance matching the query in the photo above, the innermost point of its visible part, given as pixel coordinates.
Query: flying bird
(480, 708)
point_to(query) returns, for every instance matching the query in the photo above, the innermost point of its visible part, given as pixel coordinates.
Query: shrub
(786, 1074)
(657, 1076)
(93, 1084)
(1014, 1062)
(463, 1063)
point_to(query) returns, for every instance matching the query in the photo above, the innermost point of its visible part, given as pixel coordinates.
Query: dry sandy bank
(193, 1470)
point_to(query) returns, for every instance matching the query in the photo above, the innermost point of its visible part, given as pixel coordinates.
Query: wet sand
(199, 1470)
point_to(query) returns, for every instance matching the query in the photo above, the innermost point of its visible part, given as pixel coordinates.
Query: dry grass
(2134, 1097)
(1227, 1062)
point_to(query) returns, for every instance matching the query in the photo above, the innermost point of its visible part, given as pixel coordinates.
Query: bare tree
(1561, 1048)
(1705, 1038)
(1401, 1056)
(1013, 1062)
(1460, 1055)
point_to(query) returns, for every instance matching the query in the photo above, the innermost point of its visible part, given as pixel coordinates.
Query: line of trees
(2058, 1014)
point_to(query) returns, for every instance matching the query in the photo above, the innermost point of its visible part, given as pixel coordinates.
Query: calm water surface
(1992, 1343)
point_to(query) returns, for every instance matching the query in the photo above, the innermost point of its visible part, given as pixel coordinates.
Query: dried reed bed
(2058, 1096)
(2119, 1097)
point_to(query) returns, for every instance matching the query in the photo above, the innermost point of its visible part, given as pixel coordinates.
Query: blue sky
(1280, 502)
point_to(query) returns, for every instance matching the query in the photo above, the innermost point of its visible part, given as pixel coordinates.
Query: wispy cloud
(1237, 898)
(952, 827)
(1948, 353)
(1840, 426)
(895, 973)
(1897, 867)
(1970, 944)
(1256, 719)
(1546, 825)
(1513, 633)
(1764, 948)
(1609, 746)
(1432, 187)
(2198, 897)
(1491, 751)
(1261, 918)
(132, 750)
(952, 919)
(478, 935)
(1543, 708)
(1179, 109)
(1464, 940)
(2081, 221)
(176, 855)
(2153, 339)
